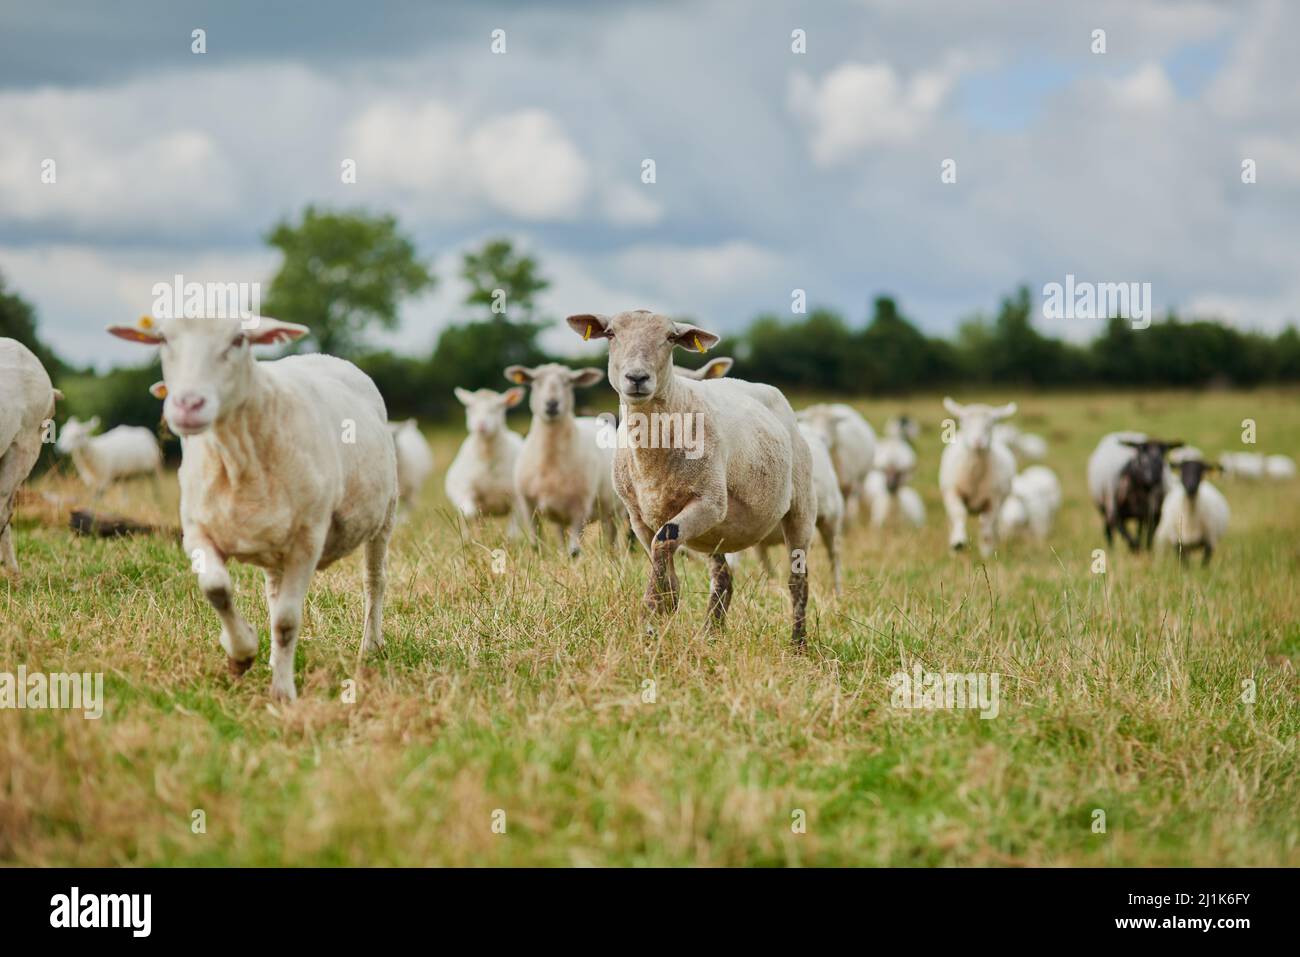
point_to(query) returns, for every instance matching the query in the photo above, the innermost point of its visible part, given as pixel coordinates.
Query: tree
(502, 281)
(343, 273)
(18, 321)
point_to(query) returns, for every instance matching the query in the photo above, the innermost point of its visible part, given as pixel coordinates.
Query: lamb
(563, 471)
(481, 479)
(1127, 479)
(117, 454)
(750, 472)
(26, 409)
(975, 472)
(1031, 506)
(885, 487)
(1195, 513)
(287, 465)
(414, 459)
(1025, 446)
(852, 442)
(1279, 467)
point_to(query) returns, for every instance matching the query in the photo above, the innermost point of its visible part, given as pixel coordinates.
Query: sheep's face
(485, 410)
(1190, 473)
(207, 363)
(75, 434)
(641, 345)
(823, 422)
(977, 422)
(1148, 465)
(553, 384)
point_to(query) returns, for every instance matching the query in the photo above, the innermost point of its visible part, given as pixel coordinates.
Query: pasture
(521, 687)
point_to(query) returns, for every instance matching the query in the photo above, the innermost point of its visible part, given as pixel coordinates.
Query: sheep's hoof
(237, 667)
(800, 644)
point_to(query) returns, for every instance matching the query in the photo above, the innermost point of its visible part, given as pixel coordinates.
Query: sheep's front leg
(988, 531)
(237, 636)
(698, 516)
(8, 558)
(956, 510)
(720, 592)
(286, 622)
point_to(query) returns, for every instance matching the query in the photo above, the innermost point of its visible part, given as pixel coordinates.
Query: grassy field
(524, 692)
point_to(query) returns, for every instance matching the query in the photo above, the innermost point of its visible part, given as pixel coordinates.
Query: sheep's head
(553, 386)
(485, 410)
(75, 434)
(1190, 473)
(1148, 465)
(977, 421)
(207, 363)
(823, 421)
(641, 345)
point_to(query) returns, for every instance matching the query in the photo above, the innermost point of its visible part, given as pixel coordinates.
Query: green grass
(524, 692)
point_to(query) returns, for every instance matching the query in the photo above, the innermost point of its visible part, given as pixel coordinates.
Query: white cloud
(858, 106)
(1146, 89)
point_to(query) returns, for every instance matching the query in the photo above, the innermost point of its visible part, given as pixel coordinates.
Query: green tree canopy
(343, 272)
(498, 267)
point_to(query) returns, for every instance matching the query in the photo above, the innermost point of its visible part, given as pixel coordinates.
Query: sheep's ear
(92, 423)
(1006, 412)
(463, 396)
(1130, 443)
(263, 331)
(1176, 444)
(953, 406)
(581, 378)
(589, 326)
(519, 375)
(145, 332)
(693, 337)
(717, 368)
(158, 390)
(512, 397)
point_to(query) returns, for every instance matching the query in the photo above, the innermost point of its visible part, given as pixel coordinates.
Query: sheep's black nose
(637, 379)
(552, 407)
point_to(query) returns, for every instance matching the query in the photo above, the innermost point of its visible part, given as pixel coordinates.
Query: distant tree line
(344, 273)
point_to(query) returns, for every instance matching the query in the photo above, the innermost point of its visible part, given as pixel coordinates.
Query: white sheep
(1243, 465)
(481, 479)
(563, 472)
(1025, 446)
(735, 466)
(1279, 467)
(852, 442)
(975, 472)
(886, 486)
(117, 454)
(287, 465)
(1030, 507)
(1194, 513)
(26, 409)
(414, 458)
(830, 508)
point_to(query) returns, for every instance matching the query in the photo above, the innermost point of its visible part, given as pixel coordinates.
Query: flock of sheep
(291, 464)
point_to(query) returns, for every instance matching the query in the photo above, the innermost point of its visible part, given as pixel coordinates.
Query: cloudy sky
(775, 170)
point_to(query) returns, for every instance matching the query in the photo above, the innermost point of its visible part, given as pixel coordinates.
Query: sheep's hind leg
(797, 527)
(720, 592)
(286, 622)
(372, 636)
(830, 538)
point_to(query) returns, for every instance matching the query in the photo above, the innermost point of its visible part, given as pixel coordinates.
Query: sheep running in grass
(751, 471)
(26, 406)
(886, 486)
(1127, 481)
(1194, 513)
(287, 465)
(1030, 508)
(481, 479)
(852, 442)
(563, 472)
(975, 472)
(117, 454)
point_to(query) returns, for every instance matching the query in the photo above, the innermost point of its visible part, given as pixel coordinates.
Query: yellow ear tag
(698, 347)
(586, 333)
(161, 392)
(146, 322)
